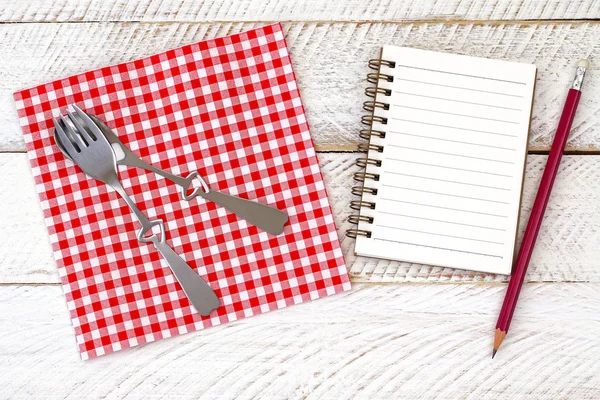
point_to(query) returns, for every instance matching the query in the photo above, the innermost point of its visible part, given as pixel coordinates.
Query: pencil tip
(494, 353)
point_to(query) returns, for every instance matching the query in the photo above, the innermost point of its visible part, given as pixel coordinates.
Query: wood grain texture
(330, 60)
(376, 341)
(412, 339)
(24, 239)
(566, 250)
(285, 10)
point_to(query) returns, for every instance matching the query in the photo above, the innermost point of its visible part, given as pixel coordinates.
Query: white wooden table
(405, 330)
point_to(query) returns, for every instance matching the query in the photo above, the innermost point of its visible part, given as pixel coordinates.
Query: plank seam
(531, 152)
(356, 281)
(324, 22)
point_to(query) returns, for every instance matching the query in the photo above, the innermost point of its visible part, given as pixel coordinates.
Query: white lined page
(453, 160)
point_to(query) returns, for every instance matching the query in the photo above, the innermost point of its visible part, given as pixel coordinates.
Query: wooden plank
(24, 239)
(330, 60)
(283, 10)
(376, 341)
(567, 248)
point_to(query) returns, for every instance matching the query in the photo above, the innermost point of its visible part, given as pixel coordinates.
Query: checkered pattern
(228, 108)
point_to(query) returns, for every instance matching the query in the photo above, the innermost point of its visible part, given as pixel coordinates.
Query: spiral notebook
(447, 144)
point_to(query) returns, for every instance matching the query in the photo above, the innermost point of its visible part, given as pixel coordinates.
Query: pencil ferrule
(578, 81)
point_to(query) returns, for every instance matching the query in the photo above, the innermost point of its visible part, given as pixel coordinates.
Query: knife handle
(200, 294)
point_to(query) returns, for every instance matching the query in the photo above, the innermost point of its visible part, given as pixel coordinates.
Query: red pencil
(539, 206)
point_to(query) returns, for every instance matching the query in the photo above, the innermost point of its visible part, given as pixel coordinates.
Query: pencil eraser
(583, 63)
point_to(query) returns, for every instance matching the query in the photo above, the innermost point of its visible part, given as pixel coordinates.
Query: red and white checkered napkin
(227, 107)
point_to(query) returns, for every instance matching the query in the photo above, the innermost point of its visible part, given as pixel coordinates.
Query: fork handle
(264, 217)
(267, 218)
(200, 294)
(134, 161)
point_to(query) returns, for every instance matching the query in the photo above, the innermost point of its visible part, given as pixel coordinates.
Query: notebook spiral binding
(370, 106)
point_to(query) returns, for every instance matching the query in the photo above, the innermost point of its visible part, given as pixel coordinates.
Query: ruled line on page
(442, 221)
(443, 208)
(439, 248)
(458, 101)
(454, 127)
(449, 181)
(452, 141)
(455, 114)
(440, 234)
(459, 74)
(446, 167)
(451, 154)
(458, 87)
(447, 194)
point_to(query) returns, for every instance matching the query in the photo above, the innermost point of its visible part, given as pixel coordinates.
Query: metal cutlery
(84, 143)
(262, 216)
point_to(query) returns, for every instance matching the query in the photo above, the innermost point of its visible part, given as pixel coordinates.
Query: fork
(85, 144)
(267, 218)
